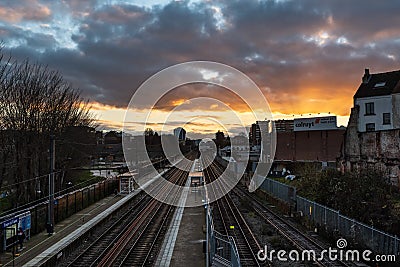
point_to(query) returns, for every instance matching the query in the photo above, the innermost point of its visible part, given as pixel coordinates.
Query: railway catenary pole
(50, 216)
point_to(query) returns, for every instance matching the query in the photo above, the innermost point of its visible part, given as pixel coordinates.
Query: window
(369, 108)
(386, 118)
(370, 127)
(380, 84)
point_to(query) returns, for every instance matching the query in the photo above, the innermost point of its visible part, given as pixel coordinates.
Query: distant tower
(219, 139)
(180, 133)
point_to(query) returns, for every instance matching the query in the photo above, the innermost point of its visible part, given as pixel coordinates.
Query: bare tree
(35, 102)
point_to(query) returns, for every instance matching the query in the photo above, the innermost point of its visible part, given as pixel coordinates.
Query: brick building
(321, 147)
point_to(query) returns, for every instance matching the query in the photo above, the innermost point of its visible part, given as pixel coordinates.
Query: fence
(335, 223)
(66, 205)
(282, 191)
(221, 249)
(359, 233)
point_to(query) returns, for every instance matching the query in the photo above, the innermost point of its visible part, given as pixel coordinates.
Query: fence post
(338, 221)
(75, 201)
(372, 235)
(314, 212)
(36, 220)
(66, 209)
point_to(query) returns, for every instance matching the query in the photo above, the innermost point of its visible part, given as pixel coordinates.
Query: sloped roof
(380, 84)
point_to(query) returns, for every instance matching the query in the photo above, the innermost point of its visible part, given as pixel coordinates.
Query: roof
(379, 84)
(195, 174)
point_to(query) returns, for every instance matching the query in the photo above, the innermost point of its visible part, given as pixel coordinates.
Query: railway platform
(40, 242)
(189, 244)
(45, 250)
(183, 244)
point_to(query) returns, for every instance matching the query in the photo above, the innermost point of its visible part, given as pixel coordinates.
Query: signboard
(314, 124)
(10, 222)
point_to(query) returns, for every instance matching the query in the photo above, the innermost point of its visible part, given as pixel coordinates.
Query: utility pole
(50, 216)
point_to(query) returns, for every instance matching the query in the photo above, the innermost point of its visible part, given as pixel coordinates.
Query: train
(196, 174)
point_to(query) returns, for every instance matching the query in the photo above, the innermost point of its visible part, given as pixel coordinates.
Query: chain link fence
(280, 190)
(333, 222)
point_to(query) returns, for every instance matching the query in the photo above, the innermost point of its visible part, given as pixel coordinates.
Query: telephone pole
(50, 215)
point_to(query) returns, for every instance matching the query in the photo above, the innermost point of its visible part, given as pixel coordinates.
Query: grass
(85, 178)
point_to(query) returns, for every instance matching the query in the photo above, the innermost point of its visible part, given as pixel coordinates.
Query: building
(372, 135)
(315, 140)
(378, 99)
(255, 138)
(284, 125)
(180, 133)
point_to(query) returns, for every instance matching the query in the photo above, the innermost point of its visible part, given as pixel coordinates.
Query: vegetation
(363, 195)
(35, 103)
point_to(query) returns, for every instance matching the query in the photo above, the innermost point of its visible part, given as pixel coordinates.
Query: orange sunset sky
(307, 57)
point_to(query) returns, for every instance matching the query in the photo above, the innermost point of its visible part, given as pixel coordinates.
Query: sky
(307, 57)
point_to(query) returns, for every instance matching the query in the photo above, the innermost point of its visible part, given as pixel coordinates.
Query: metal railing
(221, 249)
(333, 222)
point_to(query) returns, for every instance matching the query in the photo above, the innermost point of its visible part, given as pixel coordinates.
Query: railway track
(231, 222)
(299, 239)
(135, 238)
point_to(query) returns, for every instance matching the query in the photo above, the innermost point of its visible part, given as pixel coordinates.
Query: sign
(25, 222)
(314, 124)
(10, 222)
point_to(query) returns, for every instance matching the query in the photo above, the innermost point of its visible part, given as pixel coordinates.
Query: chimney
(366, 77)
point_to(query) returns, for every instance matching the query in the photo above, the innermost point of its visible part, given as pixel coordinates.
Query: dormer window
(379, 84)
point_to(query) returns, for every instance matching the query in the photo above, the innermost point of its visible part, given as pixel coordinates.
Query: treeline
(35, 103)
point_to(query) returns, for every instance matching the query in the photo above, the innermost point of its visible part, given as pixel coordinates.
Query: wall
(309, 145)
(382, 104)
(379, 149)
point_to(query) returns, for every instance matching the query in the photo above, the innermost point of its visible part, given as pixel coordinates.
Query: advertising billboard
(314, 124)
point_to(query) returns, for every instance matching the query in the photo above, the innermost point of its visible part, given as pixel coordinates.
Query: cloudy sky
(306, 56)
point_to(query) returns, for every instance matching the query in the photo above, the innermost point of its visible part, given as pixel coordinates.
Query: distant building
(255, 137)
(284, 125)
(320, 147)
(99, 138)
(180, 133)
(112, 138)
(111, 149)
(315, 140)
(372, 135)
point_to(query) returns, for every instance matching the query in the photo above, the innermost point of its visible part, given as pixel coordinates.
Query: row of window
(370, 110)
(370, 127)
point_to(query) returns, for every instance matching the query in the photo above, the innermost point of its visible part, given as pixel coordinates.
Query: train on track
(196, 174)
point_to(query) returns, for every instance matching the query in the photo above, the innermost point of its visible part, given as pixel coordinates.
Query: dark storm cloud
(286, 46)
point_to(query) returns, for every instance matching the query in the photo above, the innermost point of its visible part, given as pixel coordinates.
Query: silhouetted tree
(35, 102)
